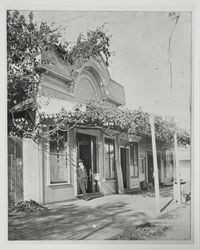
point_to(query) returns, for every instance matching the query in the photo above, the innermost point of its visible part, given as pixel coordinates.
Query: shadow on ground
(164, 192)
(72, 222)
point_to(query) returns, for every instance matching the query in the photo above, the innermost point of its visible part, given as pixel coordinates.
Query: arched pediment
(86, 79)
(104, 87)
(86, 88)
(96, 66)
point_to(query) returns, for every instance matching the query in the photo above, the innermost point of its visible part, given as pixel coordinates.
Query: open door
(86, 145)
(124, 153)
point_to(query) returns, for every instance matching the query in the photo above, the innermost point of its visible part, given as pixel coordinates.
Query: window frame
(66, 153)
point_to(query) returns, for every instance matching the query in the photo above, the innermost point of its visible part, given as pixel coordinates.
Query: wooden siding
(15, 169)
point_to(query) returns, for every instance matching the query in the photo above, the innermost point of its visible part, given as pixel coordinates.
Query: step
(92, 195)
(132, 190)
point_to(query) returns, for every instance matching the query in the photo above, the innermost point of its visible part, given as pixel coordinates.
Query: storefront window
(109, 168)
(58, 158)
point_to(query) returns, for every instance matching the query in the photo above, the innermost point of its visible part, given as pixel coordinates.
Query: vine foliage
(103, 116)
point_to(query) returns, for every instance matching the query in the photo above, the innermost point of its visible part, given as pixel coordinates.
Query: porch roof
(98, 114)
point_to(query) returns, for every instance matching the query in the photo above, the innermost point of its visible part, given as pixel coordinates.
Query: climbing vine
(93, 44)
(105, 116)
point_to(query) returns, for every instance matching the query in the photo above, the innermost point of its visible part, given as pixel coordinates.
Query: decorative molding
(59, 89)
(54, 66)
(91, 81)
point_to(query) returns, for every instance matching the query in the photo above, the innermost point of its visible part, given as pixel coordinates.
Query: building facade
(115, 162)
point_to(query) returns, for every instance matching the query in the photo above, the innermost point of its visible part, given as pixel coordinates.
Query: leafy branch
(26, 41)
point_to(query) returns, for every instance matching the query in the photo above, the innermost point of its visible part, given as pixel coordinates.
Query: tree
(94, 44)
(25, 42)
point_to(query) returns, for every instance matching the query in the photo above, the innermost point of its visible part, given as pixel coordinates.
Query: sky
(140, 42)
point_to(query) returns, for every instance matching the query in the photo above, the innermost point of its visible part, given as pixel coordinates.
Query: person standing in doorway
(82, 178)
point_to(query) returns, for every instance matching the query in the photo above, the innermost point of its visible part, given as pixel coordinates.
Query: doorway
(86, 151)
(124, 153)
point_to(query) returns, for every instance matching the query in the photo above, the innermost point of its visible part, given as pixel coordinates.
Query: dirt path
(97, 219)
(178, 223)
(173, 225)
(101, 219)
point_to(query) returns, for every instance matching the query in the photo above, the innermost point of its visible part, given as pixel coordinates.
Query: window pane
(111, 148)
(62, 173)
(136, 170)
(131, 171)
(58, 160)
(142, 165)
(106, 148)
(109, 168)
(134, 160)
(106, 169)
(112, 162)
(53, 169)
(53, 147)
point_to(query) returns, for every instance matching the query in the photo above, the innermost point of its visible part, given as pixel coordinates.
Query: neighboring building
(184, 163)
(114, 161)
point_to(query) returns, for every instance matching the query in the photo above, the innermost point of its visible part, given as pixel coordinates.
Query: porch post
(120, 184)
(155, 166)
(177, 170)
(74, 160)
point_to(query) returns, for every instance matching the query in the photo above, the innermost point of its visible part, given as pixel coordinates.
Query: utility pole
(155, 165)
(177, 170)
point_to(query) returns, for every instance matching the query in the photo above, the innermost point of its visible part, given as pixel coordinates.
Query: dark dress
(82, 178)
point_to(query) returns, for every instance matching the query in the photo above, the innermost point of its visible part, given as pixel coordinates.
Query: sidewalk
(97, 219)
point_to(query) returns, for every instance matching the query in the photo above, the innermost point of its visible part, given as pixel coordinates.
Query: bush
(26, 207)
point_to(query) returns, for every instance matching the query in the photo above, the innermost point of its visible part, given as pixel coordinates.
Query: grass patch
(145, 231)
